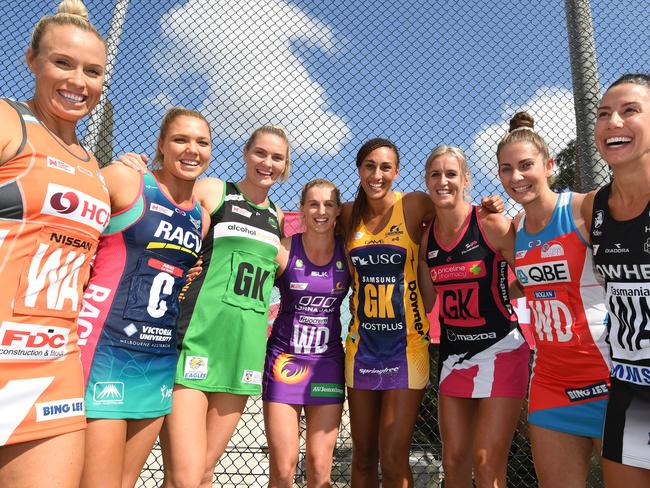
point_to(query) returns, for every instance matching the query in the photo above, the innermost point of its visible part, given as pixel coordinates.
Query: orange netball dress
(53, 207)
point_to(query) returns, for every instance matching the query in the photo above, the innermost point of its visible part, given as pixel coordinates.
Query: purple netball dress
(304, 355)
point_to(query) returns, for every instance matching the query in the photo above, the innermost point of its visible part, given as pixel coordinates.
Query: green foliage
(566, 178)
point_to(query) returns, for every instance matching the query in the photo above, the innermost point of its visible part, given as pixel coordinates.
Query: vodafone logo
(71, 204)
(30, 342)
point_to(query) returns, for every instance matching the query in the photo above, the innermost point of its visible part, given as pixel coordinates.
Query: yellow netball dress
(387, 346)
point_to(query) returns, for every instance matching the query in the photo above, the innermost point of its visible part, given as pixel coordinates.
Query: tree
(566, 177)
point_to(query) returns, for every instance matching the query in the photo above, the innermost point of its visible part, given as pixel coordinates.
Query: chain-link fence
(335, 73)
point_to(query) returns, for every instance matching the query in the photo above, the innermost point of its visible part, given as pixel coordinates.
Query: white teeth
(264, 173)
(376, 186)
(190, 162)
(519, 189)
(617, 141)
(443, 192)
(72, 97)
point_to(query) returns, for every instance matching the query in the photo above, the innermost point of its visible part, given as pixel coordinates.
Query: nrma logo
(108, 392)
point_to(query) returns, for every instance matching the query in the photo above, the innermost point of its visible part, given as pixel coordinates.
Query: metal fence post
(592, 172)
(99, 132)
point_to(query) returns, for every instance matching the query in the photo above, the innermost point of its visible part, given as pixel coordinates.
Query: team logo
(339, 265)
(520, 254)
(108, 392)
(552, 250)
(60, 165)
(299, 263)
(195, 222)
(395, 230)
(251, 377)
(196, 368)
(273, 222)
(646, 246)
(595, 248)
(357, 235)
(432, 254)
(599, 217)
(288, 372)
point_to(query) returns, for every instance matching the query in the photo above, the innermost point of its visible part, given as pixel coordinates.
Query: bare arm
(209, 192)
(582, 208)
(123, 185)
(282, 257)
(11, 132)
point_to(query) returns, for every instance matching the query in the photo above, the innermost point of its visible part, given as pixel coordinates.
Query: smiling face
(320, 209)
(266, 159)
(186, 147)
(622, 131)
(445, 181)
(523, 171)
(377, 172)
(69, 72)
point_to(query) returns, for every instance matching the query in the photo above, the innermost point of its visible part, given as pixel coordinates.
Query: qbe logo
(108, 392)
(72, 204)
(550, 272)
(31, 342)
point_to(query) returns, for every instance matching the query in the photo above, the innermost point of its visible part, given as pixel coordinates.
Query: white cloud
(553, 110)
(243, 49)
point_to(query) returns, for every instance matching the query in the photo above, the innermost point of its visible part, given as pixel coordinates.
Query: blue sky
(339, 72)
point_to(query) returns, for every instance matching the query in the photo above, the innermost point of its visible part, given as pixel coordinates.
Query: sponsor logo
(586, 392)
(380, 372)
(59, 409)
(646, 246)
(639, 375)
(320, 274)
(71, 241)
(595, 248)
(373, 241)
(316, 304)
(176, 235)
(71, 204)
(338, 288)
(130, 329)
(432, 254)
(375, 327)
(544, 294)
(294, 285)
(32, 342)
(309, 320)
(165, 392)
(242, 211)
(85, 171)
(597, 233)
(599, 217)
(458, 271)
(455, 336)
(551, 272)
(552, 250)
(617, 249)
(631, 272)
(413, 296)
(108, 392)
(60, 165)
(327, 390)
(251, 377)
(180, 211)
(155, 334)
(155, 207)
(232, 229)
(470, 246)
(196, 368)
(375, 259)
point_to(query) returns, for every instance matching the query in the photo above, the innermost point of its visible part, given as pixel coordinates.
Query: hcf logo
(71, 204)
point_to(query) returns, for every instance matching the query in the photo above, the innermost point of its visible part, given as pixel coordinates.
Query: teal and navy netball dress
(128, 323)
(304, 355)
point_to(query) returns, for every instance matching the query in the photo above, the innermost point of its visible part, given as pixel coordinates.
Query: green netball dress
(223, 323)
